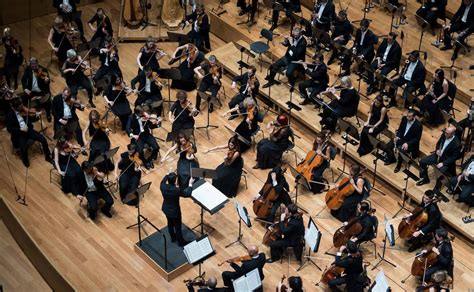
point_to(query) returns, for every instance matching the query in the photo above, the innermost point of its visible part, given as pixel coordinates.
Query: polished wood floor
(99, 255)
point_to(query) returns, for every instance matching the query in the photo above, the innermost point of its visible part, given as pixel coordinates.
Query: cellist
(367, 221)
(348, 208)
(353, 269)
(278, 181)
(322, 150)
(424, 233)
(444, 252)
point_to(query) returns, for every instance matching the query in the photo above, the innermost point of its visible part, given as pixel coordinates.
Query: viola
(336, 196)
(188, 147)
(236, 260)
(101, 125)
(215, 73)
(262, 206)
(412, 223)
(32, 112)
(72, 148)
(192, 54)
(346, 232)
(250, 115)
(312, 161)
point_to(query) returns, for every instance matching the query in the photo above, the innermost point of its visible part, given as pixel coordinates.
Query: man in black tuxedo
(64, 113)
(296, 51)
(246, 89)
(388, 58)
(425, 232)
(323, 14)
(210, 285)
(448, 150)
(462, 23)
(171, 194)
(290, 7)
(257, 261)
(292, 234)
(412, 76)
(368, 221)
(353, 268)
(67, 9)
(431, 10)
(138, 128)
(341, 34)
(444, 251)
(318, 71)
(407, 140)
(22, 132)
(149, 88)
(364, 42)
(36, 86)
(200, 28)
(464, 183)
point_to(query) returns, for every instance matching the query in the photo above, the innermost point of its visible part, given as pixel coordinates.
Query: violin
(137, 162)
(72, 148)
(42, 74)
(31, 112)
(346, 232)
(230, 155)
(215, 73)
(101, 125)
(192, 54)
(312, 161)
(188, 148)
(196, 282)
(186, 104)
(250, 115)
(236, 260)
(336, 196)
(76, 104)
(412, 223)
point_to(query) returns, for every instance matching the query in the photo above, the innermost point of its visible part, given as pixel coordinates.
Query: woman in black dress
(130, 172)
(149, 55)
(182, 113)
(436, 99)
(193, 59)
(65, 154)
(248, 125)
(58, 39)
(377, 121)
(270, 151)
(99, 142)
(348, 208)
(13, 58)
(229, 172)
(187, 158)
(116, 98)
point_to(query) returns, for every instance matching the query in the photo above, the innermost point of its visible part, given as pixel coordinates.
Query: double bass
(412, 223)
(346, 232)
(132, 13)
(311, 161)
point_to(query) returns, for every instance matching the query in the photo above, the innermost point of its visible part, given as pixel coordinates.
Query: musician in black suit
(67, 9)
(341, 34)
(464, 183)
(353, 268)
(290, 7)
(64, 113)
(323, 13)
(367, 221)
(318, 71)
(109, 62)
(444, 251)
(200, 28)
(413, 77)
(425, 232)
(22, 131)
(139, 129)
(257, 262)
(462, 23)
(209, 285)
(36, 85)
(388, 58)
(431, 10)
(246, 89)
(130, 173)
(93, 188)
(149, 88)
(171, 194)
(103, 26)
(448, 150)
(344, 105)
(407, 139)
(296, 51)
(364, 42)
(291, 228)
(209, 81)
(251, 8)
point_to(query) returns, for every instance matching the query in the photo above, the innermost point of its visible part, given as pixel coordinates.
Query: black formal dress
(228, 176)
(72, 15)
(121, 106)
(409, 133)
(244, 91)
(103, 26)
(346, 106)
(183, 118)
(247, 266)
(352, 269)
(75, 80)
(12, 60)
(365, 147)
(433, 110)
(348, 208)
(99, 144)
(317, 174)
(62, 43)
(184, 167)
(186, 68)
(292, 235)
(145, 138)
(129, 177)
(246, 131)
(109, 65)
(208, 83)
(148, 58)
(270, 150)
(281, 189)
(172, 209)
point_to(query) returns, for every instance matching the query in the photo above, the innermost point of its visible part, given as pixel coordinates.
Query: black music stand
(109, 154)
(393, 9)
(424, 24)
(441, 178)
(239, 137)
(312, 238)
(298, 177)
(377, 145)
(409, 175)
(390, 237)
(350, 134)
(136, 195)
(176, 37)
(170, 74)
(243, 216)
(146, 22)
(243, 50)
(210, 100)
(292, 105)
(172, 136)
(67, 130)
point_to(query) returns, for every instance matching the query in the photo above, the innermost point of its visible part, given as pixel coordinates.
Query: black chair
(452, 89)
(260, 47)
(376, 226)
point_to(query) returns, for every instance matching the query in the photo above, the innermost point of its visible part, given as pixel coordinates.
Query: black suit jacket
(171, 195)
(27, 80)
(293, 231)
(434, 219)
(440, 5)
(352, 268)
(242, 80)
(328, 12)
(13, 127)
(348, 104)
(205, 26)
(394, 54)
(368, 228)
(318, 73)
(419, 74)
(412, 137)
(451, 153)
(470, 16)
(298, 52)
(133, 127)
(58, 109)
(141, 78)
(367, 47)
(445, 256)
(248, 266)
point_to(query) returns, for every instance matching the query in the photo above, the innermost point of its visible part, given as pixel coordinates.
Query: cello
(312, 160)
(262, 206)
(412, 223)
(346, 232)
(274, 232)
(336, 196)
(132, 13)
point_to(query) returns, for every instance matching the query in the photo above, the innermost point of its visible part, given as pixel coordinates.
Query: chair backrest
(375, 220)
(452, 89)
(267, 34)
(332, 153)
(260, 116)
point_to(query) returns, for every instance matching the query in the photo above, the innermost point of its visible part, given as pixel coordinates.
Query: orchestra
(428, 107)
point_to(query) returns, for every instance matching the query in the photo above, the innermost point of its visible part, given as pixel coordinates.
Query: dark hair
(411, 110)
(364, 206)
(292, 208)
(365, 23)
(86, 165)
(352, 247)
(236, 143)
(181, 94)
(393, 35)
(430, 194)
(132, 147)
(343, 13)
(171, 178)
(253, 68)
(440, 73)
(138, 109)
(441, 232)
(355, 169)
(319, 56)
(100, 9)
(94, 114)
(181, 135)
(380, 99)
(295, 283)
(415, 54)
(15, 104)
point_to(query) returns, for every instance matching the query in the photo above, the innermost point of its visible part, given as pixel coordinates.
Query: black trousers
(93, 202)
(429, 160)
(21, 142)
(237, 100)
(428, 15)
(391, 154)
(383, 71)
(252, 8)
(289, 9)
(336, 282)
(282, 63)
(207, 86)
(78, 132)
(467, 188)
(128, 184)
(174, 229)
(457, 26)
(409, 89)
(11, 72)
(83, 82)
(145, 141)
(313, 86)
(277, 247)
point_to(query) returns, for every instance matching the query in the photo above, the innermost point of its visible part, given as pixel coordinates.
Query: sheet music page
(240, 285)
(312, 235)
(209, 196)
(192, 251)
(381, 284)
(205, 247)
(242, 213)
(253, 280)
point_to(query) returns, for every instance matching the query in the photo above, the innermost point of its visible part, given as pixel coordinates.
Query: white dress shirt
(320, 11)
(362, 37)
(90, 183)
(67, 110)
(387, 50)
(446, 143)
(21, 121)
(34, 84)
(408, 126)
(147, 85)
(411, 67)
(466, 12)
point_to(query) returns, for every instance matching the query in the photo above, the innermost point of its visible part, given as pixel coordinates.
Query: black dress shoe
(106, 213)
(422, 181)
(268, 84)
(445, 48)
(269, 261)
(305, 102)
(388, 162)
(397, 169)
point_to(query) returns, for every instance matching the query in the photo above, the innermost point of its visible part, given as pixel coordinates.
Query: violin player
(200, 28)
(210, 80)
(209, 285)
(35, 82)
(64, 112)
(129, 165)
(255, 260)
(249, 86)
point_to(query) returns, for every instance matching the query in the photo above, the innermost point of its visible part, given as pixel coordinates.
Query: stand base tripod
(308, 260)
(201, 225)
(21, 200)
(239, 238)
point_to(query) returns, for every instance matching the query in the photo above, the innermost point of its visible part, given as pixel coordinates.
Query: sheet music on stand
(312, 236)
(248, 282)
(380, 283)
(208, 197)
(243, 214)
(198, 250)
(389, 231)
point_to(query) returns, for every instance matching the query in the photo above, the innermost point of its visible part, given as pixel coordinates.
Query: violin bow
(82, 61)
(11, 175)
